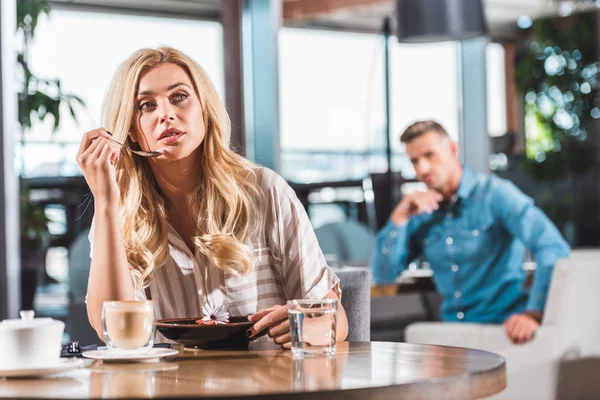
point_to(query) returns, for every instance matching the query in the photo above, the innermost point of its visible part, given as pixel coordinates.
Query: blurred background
(317, 90)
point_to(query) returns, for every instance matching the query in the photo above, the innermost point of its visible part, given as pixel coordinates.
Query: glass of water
(313, 326)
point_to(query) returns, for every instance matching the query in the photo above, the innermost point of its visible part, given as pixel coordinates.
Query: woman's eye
(146, 106)
(180, 96)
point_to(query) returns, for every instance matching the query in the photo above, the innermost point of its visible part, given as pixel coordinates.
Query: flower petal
(215, 313)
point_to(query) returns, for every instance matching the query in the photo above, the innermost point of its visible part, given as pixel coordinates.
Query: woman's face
(169, 116)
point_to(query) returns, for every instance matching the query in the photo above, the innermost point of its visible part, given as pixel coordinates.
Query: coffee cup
(30, 342)
(128, 325)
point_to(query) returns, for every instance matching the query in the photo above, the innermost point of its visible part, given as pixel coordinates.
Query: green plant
(558, 73)
(37, 99)
(34, 222)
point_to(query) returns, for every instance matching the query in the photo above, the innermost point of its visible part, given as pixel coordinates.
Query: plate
(154, 355)
(63, 365)
(188, 333)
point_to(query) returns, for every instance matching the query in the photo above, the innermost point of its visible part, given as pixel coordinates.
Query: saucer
(64, 364)
(135, 368)
(154, 355)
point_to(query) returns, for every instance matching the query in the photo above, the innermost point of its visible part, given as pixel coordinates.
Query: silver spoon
(138, 152)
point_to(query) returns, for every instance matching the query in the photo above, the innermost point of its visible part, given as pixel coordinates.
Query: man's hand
(520, 328)
(414, 204)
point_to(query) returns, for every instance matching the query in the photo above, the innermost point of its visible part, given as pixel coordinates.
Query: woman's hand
(96, 156)
(275, 319)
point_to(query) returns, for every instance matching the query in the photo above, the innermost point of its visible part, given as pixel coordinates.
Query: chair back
(349, 241)
(77, 323)
(356, 299)
(576, 317)
(79, 264)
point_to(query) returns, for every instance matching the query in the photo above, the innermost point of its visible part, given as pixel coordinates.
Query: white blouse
(289, 264)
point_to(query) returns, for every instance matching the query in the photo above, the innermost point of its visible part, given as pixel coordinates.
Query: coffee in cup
(128, 325)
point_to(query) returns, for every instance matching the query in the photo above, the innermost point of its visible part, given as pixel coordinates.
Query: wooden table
(376, 370)
(419, 284)
(422, 281)
(410, 282)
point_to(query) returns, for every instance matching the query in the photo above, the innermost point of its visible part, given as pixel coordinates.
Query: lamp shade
(422, 21)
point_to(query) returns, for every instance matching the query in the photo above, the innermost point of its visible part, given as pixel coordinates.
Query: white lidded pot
(30, 342)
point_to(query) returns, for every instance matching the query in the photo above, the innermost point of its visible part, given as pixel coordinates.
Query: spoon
(138, 152)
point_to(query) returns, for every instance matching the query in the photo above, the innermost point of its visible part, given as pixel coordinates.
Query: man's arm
(394, 247)
(393, 251)
(529, 224)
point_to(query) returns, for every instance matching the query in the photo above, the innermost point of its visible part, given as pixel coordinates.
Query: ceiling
(501, 14)
(357, 15)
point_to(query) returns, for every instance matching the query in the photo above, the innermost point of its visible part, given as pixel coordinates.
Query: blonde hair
(227, 194)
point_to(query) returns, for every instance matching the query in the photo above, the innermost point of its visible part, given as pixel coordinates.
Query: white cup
(30, 342)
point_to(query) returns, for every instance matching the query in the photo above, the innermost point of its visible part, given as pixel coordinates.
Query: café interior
(320, 92)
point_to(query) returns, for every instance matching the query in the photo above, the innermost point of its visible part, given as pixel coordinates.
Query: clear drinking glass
(313, 326)
(128, 326)
(315, 373)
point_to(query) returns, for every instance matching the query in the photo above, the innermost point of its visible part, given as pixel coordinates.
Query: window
(331, 94)
(83, 49)
(496, 90)
(332, 101)
(423, 86)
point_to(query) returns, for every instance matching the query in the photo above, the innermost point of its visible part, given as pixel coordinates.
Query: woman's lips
(171, 139)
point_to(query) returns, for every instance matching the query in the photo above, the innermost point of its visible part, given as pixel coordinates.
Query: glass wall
(332, 101)
(83, 49)
(423, 86)
(331, 96)
(496, 90)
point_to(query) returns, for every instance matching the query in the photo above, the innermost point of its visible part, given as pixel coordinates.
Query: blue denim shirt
(475, 246)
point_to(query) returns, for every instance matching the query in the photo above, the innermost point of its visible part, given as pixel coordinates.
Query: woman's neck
(177, 180)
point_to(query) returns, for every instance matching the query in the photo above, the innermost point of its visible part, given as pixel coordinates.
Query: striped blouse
(289, 264)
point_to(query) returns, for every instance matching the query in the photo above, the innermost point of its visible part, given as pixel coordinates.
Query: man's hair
(420, 128)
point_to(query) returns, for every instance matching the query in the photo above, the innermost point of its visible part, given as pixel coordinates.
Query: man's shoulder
(500, 192)
(488, 183)
(490, 190)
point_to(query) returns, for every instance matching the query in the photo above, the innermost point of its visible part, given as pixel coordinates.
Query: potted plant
(38, 99)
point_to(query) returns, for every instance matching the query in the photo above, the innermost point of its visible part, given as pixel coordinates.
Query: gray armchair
(77, 324)
(569, 333)
(349, 241)
(356, 299)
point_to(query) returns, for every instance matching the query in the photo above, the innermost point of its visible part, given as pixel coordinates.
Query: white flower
(217, 314)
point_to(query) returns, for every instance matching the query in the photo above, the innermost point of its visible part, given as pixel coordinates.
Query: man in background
(473, 230)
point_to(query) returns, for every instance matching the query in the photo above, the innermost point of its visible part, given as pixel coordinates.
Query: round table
(373, 370)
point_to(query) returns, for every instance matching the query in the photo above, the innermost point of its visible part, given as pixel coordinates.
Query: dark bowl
(187, 332)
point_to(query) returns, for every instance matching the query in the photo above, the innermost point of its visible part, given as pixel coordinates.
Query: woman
(197, 224)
